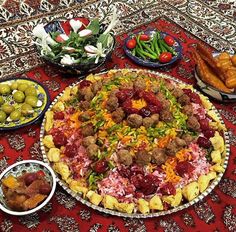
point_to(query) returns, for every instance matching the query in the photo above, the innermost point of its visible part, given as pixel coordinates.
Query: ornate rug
(211, 21)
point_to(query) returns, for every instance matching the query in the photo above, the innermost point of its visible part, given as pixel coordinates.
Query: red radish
(165, 57)
(61, 38)
(169, 40)
(131, 44)
(144, 37)
(84, 21)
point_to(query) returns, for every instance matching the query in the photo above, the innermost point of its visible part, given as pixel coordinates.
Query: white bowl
(28, 166)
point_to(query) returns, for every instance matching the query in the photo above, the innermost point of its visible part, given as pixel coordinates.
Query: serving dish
(83, 193)
(28, 166)
(42, 95)
(147, 62)
(75, 46)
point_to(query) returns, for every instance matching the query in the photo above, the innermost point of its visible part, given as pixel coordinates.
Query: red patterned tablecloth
(215, 213)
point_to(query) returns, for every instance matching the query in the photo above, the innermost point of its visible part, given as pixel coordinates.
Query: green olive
(31, 100)
(8, 108)
(14, 85)
(26, 109)
(5, 89)
(3, 116)
(19, 96)
(22, 86)
(31, 91)
(15, 115)
(1, 100)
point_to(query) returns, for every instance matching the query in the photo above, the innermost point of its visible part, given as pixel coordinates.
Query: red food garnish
(209, 133)
(127, 107)
(184, 167)
(45, 189)
(165, 57)
(150, 98)
(169, 40)
(29, 178)
(85, 22)
(168, 189)
(70, 150)
(154, 109)
(204, 124)
(204, 142)
(125, 172)
(40, 173)
(144, 37)
(84, 83)
(59, 138)
(100, 166)
(58, 116)
(131, 44)
(145, 112)
(193, 96)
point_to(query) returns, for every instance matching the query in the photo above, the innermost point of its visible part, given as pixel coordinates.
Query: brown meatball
(114, 92)
(165, 104)
(112, 103)
(134, 120)
(140, 83)
(166, 116)
(193, 124)
(155, 88)
(84, 116)
(142, 158)
(160, 96)
(187, 138)
(180, 142)
(96, 86)
(155, 117)
(87, 93)
(118, 115)
(92, 150)
(188, 110)
(131, 74)
(117, 74)
(172, 148)
(87, 130)
(88, 141)
(184, 100)
(127, 85)
(177, 92)
(124, 157)
(148, 122)
(169, 85)
(84, 105)
(159, 156)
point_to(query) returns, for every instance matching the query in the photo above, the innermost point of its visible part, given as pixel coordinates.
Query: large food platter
(186, 204)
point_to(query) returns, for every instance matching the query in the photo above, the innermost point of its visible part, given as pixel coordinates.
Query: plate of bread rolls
(216, 73)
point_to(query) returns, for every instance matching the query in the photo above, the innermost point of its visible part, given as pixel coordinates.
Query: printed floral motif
(16, 141)
(6, 225)
(229, 218)
(228, 187)
(66, 200)
(66, 224)
(188, 220)
(35, 151)
(31, 221)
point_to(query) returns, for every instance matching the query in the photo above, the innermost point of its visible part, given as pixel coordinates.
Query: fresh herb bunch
(83, 43)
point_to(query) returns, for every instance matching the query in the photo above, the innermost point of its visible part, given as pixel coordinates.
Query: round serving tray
(77, 196)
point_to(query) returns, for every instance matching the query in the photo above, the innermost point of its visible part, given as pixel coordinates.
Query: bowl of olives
(22, 102)
(26, 187)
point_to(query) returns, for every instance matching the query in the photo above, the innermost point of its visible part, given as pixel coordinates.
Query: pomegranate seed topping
(100, 166)
(203, 142)
(58, 116)
(209, 133)
(168, 189)
(204, 124)
(145, 112)
(59, 138)
(124, 94)
(70, 150)
(151, 98)
(184, 167)
(154, 109)
(84, 83)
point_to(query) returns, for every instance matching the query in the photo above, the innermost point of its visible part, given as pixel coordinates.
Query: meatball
(177, 92)
(193, 124)
(84, 105)
(86, 93)
(124, 157)
(118, 115)
(92, 150)
(159, 156)
(114, 92)
(88, 141)
(117, 74)
(134, 120)
(165, 104)
(184, 100)
(84, 116)
(112, 103)
(155, 117)
(155, 88)
(187, 138)
(160, 96)
(87, 130)
(188, 110)
(96, 86)
(172, 148)
(166, 116)
(148, 122)
(142, 158)
(140, 83)
(180, 142)
(169, 85)
(127, 85)
(132, 74)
